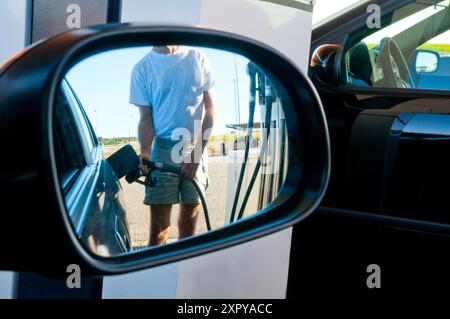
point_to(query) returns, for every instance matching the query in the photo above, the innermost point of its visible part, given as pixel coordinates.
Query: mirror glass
(158, 144)
(426, 62)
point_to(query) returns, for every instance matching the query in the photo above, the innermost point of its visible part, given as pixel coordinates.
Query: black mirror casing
(36, 231)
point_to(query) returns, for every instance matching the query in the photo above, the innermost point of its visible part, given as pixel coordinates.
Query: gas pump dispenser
(259, 179)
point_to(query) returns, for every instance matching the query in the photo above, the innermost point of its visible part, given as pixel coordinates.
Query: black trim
(386, 220)
(114, 11)
(35, 286)
(394, 92)
(29, 22)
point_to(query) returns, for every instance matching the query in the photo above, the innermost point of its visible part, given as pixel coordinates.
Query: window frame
(83, 112)
(79, 162)
(84, 129)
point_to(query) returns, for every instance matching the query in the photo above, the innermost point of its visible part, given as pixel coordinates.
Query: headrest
(360, 63)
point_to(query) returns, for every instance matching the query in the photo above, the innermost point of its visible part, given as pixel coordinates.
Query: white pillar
(14, 27)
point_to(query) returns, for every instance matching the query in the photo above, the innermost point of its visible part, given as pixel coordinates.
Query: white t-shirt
(173, 86)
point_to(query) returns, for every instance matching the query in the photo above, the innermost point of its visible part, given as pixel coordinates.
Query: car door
(387, 104)
(92, 193)
(103, 224)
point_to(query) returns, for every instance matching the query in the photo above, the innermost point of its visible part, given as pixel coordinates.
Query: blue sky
(102, 84)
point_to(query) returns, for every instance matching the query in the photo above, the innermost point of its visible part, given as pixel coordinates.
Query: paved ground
(139, 214)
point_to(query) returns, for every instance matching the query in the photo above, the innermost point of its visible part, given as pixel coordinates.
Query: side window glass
(70, 160)
(411, 52)
(80, 119)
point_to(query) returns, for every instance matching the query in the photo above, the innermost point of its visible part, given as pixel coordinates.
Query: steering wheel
(395, 69)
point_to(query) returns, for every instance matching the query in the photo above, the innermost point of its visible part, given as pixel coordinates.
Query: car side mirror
(63, 193)
(426, 61)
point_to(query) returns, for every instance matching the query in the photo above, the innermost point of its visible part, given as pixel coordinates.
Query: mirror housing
(426, 61)
(30, 184)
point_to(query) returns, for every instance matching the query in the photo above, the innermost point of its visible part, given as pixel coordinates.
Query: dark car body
(88, 178)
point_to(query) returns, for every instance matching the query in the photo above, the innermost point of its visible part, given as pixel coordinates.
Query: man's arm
(190, 169)
(146, 133)
(208, 120)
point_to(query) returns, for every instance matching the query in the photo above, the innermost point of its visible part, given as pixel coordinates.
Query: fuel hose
(252, 71)
(267, 123)
(163, 167)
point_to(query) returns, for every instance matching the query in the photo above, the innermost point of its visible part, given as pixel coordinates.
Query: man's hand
(142, 167)
(189, 166)
(146, 135)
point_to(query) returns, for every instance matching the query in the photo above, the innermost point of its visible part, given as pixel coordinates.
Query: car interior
(387, 201)
(366, 61)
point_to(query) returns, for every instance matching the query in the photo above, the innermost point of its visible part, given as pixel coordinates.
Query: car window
(70, 160)
(412, 51)
(85, 130)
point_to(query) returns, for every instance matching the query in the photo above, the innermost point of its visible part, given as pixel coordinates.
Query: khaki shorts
(170, 188)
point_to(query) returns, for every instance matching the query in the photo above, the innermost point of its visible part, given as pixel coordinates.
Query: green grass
(443, 49)
(107, 141)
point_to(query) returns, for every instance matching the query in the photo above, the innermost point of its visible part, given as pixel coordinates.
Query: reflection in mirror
(157, 144)
(426, 61)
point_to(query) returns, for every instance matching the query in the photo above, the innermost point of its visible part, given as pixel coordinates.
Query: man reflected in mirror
(173, 88)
